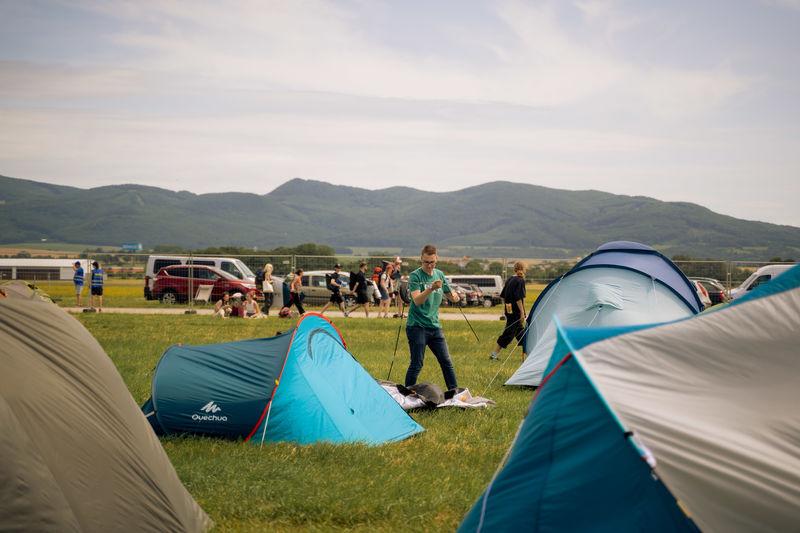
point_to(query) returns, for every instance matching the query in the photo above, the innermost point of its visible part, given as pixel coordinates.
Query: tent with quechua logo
(300, 386)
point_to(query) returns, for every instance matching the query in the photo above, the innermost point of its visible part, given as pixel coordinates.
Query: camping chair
(203, 293)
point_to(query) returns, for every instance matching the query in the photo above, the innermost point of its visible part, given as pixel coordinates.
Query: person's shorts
(97, 291)
(78, 288)
(361, 297)
(335, 298)
(384, 294)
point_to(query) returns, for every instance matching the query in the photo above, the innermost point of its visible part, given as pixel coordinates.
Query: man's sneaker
(347, 314)
(493, 357)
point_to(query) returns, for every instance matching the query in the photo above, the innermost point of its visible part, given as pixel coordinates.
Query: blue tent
(301, 386)
(620, 284)
(674, 427)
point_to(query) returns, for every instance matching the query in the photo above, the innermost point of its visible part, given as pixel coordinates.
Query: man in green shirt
(426, 285)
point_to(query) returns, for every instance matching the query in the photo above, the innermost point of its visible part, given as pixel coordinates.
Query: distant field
(52, 248)
(427, 482)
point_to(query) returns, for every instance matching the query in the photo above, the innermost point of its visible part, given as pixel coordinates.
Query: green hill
(494, 219)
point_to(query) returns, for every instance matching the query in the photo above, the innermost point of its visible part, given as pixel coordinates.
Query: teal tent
(687, 425)
(301, 386)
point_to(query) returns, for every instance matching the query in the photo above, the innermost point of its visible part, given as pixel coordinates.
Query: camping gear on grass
(671, 427)
(301, 386)
(77, 454)
(426, 395)
(622, 283)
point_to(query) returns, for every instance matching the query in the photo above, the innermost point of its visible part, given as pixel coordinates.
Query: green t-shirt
(427, 314)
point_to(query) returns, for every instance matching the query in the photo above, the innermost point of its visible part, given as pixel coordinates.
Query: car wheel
(487, 302)
(169, 297)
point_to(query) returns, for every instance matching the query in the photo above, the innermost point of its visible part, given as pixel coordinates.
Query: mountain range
(497, 219)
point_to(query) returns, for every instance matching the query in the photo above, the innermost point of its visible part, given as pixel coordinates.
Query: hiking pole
(397, 340)
(470, 325)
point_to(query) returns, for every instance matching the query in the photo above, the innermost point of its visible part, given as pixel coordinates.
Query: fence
(129, 268)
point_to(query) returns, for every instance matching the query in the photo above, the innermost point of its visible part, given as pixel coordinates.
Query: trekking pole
(397, 340)
(470, 325)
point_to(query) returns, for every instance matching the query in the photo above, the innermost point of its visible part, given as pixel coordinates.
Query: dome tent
(77, 453)
(621, 283)
(300, 386)
(673, 427)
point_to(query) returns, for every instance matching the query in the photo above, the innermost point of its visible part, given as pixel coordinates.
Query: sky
(679, 101)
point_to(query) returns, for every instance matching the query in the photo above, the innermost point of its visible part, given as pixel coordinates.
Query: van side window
(205, 262)
(158, 264)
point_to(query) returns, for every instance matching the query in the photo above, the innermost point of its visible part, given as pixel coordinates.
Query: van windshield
(238, 269)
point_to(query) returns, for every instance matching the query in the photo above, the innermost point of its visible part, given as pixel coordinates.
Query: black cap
(337, 265)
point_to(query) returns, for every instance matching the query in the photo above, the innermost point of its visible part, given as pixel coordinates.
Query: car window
(204, 273)
(318, 281)
(760, 280)
(205, 262)
(180, 272)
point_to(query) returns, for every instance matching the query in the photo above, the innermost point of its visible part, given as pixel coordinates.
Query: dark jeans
(294, 298)
(514, 328)
(268, 296)
(418, 339)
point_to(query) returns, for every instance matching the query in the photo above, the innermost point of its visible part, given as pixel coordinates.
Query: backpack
(260, 277)
(329, 282)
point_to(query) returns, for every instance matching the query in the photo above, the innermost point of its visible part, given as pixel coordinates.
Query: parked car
(462, 292)
(172, 283)
(474, 295)
(716, 291)
(702, 294)
(490, 285)
(315, 285)
(230, 265)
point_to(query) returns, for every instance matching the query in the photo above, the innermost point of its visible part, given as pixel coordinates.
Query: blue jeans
(418, 339)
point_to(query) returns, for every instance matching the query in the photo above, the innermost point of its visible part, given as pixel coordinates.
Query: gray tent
(77, 453)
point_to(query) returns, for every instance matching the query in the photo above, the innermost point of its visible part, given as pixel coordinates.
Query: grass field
(427, 482)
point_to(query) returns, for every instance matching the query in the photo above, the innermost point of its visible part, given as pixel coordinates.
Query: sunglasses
(429, 262)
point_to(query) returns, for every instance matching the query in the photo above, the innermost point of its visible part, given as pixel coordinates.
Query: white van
(490, 285)
(759, 277)
(226, 264)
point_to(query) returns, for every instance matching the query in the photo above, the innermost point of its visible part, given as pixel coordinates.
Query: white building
(41, 269)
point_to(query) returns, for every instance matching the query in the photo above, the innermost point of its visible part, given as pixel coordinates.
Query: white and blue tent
(687, 426)
(620, 284)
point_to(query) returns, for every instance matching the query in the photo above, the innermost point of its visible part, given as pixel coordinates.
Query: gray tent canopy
(78, 455)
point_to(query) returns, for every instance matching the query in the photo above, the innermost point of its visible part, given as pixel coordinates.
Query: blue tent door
(326, 395)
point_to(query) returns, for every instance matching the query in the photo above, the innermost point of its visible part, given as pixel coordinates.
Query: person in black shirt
(513, 296)
(358, 285)
(335, 286)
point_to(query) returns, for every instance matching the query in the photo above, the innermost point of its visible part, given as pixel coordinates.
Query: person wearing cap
(335, 286)
(97, 284)
(77, 279)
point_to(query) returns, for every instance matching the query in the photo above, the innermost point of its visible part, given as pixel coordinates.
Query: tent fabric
(77, 453)
(708, 404)
(622, 283)
(301, 386)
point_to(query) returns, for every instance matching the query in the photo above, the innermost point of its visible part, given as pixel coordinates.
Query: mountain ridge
(521, 220)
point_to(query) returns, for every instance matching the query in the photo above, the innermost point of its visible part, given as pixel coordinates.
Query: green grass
(428, 481)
